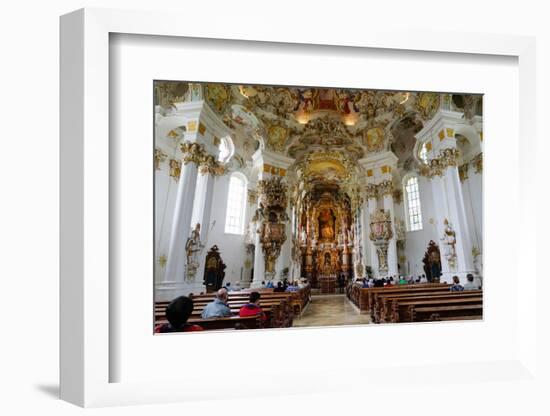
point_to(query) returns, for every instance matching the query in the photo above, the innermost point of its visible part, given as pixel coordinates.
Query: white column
(202, 209)
(259, 261)
(440, 207)
(174, 277)
(458, 219)
(365, 229)
(392, 244)
(284, 258)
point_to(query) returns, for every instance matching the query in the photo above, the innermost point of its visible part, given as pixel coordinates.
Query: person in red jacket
(252, 308)
(178, 312)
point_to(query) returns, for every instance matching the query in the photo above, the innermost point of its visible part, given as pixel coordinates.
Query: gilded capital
(210, 166)
(371, 191)
(197, 154)
(385, 188)
(193, 152)
(447, 158)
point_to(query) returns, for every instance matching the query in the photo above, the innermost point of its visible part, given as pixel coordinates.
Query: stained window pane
(235, 206)
(413, 204)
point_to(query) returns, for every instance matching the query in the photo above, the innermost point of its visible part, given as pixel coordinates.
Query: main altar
(326, 240)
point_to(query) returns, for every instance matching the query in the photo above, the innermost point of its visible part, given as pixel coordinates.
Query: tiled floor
(331, 310)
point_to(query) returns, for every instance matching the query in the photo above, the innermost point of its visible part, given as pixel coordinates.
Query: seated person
(270, 285)
(218, 307)
(279, 288)
(403, 281)
(178, 312)
(263, 286)
(379, 283)
(470, 283)
(390, 282)
(252, 308)
(456, 287)
(236, 287)
(285, 283)
(365, 284)
(292, 287)
(228, 287)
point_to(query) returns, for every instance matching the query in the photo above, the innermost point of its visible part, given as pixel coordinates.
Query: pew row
(363, 298)
(279, 309)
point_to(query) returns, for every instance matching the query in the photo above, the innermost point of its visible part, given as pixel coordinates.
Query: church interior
(337, 206)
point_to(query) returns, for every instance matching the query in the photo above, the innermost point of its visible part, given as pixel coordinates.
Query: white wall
(472, 191)
(232, 247)
(166, 189)
(416, 242)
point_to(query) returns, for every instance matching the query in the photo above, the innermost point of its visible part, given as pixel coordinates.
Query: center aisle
(330, 310)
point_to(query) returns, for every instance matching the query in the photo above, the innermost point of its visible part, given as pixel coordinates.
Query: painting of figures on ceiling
(298, 206)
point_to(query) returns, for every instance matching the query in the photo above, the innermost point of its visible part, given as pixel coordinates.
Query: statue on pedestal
(449, 242)
(193, 247)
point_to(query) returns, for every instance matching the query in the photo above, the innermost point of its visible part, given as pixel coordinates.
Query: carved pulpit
(432, 262)
(214, 270)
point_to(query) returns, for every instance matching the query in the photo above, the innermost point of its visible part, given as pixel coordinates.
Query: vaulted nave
(317, 206)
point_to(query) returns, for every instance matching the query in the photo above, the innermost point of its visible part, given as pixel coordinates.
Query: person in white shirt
(470, 283)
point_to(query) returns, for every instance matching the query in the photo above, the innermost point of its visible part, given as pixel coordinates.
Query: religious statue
(449, 242)
(327, 261)
(326, 224)
(303, 236)
(193, 246)
(382, 252)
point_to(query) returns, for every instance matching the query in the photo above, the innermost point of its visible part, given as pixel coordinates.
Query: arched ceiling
(298, 121)
(326, 130)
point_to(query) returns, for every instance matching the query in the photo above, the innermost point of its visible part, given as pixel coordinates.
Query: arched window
(412, 204)
(236, 205)
(227, 149)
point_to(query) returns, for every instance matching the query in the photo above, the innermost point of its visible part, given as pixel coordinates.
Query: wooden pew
(274, 314)
(233, 322)
(366, 295)
(448, 313)
(297, 300)
(418, 309)
(382, 310)
(276, 306)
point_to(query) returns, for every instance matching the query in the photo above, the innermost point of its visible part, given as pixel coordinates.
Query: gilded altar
(326, 237)
(328, 261)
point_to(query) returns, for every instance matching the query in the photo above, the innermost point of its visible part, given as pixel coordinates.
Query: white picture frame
(86, 353)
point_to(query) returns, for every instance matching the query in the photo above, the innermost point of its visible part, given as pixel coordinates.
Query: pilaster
(455, 242)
